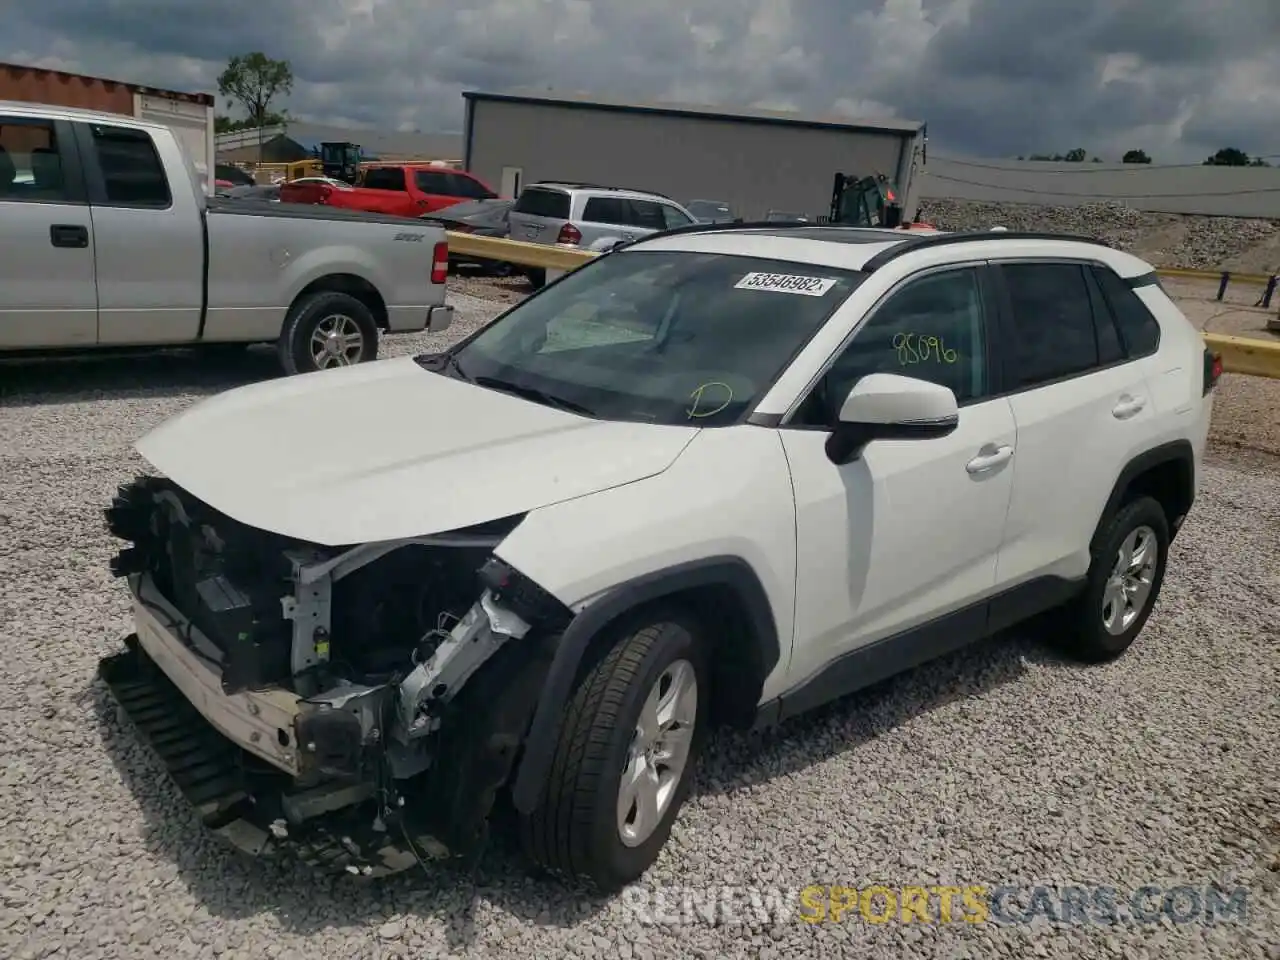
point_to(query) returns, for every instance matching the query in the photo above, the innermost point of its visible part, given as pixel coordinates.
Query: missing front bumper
(236, 796)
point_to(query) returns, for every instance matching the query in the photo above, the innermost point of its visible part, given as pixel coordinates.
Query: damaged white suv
(722, 475)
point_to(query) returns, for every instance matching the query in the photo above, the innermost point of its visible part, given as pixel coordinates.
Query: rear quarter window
(537, 202)
(1138, 328)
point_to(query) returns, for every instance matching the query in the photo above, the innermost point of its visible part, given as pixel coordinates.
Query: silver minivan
(589, 216)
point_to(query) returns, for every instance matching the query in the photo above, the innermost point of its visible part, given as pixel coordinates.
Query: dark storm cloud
(992, 77)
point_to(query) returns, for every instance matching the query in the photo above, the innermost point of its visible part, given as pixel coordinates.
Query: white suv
(716, 476)
(592, 217)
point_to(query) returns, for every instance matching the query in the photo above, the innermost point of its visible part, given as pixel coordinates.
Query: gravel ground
(1002, 765)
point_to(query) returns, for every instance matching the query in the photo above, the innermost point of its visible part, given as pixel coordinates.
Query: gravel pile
(1200, 243)
(1002, 765)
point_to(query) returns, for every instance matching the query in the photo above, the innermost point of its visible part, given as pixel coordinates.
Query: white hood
(386, 450)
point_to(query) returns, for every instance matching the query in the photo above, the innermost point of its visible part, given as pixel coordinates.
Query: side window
(1052, 321)
(30, 163)
(673, 218)
(463, 186)
(607, 210)
(1140, 330)
(932, 328)
(430, 181)
(648, 215)
(131, 169)
(384, 178)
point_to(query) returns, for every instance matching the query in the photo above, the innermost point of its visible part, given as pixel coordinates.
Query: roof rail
(749, 225)
(919, 241)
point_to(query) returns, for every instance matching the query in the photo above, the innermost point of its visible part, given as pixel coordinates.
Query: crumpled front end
(355, 707)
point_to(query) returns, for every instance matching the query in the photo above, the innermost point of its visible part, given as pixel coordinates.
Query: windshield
(655, 336)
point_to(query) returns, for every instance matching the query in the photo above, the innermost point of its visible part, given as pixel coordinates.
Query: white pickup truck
(109, 241)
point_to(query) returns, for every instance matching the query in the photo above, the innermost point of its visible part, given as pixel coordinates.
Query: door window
(431, 181)
(648, 215)
(463, 186)
(132, 173)
(30, 162)
(673, 218)
(608, 210)
(1053, 323)
(932, 328)
(384, 178)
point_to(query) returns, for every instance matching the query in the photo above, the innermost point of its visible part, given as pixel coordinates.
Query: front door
(48, 290)
(911, 530)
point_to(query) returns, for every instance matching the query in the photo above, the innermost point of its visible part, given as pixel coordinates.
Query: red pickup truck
(402, 190)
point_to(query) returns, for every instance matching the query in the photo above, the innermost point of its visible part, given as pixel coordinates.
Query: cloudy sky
(1178, 78)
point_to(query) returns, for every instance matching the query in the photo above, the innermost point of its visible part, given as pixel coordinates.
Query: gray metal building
(756, 160)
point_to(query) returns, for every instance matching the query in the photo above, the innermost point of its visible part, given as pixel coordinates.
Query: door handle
(990, 457)
(1129, 406)
(69, 235)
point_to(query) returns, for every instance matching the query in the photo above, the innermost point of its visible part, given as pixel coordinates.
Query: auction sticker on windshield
(785, 283)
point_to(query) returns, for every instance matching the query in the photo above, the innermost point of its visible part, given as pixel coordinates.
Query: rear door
(434, 189)
(1082, 408)
(539, 214)
(148, 241)
(609, 217)
(384, 190)
(48, 295)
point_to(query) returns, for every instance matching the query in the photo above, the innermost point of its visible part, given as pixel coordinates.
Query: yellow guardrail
(1215, 276)
(1255, 358)
(546, 256)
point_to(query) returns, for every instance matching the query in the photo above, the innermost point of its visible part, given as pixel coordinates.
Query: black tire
(537, 278)
(574, 832)
(307, 312)
(1084, 634)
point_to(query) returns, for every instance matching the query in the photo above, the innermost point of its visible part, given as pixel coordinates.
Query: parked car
(322, 181)
(646, 507)
(590, 216)
(484, 218)
(711, 211)
(404, 190)
(114, 244)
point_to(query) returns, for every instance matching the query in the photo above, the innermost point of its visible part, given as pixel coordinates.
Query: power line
(1097, 197)
(1089, 167)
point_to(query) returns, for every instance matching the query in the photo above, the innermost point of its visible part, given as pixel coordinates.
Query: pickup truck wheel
(1124, 581)
(327, 329)
(624, 762)
(537, 278)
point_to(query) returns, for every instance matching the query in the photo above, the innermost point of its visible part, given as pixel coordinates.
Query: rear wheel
(623, 765)
(1123, 583)
(537, 278)
(327, 329)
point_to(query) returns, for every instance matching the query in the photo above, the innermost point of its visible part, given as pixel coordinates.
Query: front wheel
(625, 757)
(327, 329)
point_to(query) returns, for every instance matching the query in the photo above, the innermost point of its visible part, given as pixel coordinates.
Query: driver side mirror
(887, 406)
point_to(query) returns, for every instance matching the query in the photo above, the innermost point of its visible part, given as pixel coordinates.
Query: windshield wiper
(534, 394)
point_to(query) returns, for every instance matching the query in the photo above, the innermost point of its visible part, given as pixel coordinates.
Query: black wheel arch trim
(1175, 451)
(721, 571)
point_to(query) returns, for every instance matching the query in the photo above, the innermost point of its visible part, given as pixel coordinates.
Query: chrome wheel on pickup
(327, 329)
(336, 342)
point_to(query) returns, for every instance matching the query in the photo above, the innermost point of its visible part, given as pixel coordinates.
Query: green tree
(1076, 156)
(253, 80)
(1228, 157)
(1135, 156)
(225, 124)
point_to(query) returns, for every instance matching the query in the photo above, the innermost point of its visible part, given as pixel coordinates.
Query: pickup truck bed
(113, 244)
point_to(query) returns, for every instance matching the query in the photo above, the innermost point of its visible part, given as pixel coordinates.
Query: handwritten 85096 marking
(913, 348)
